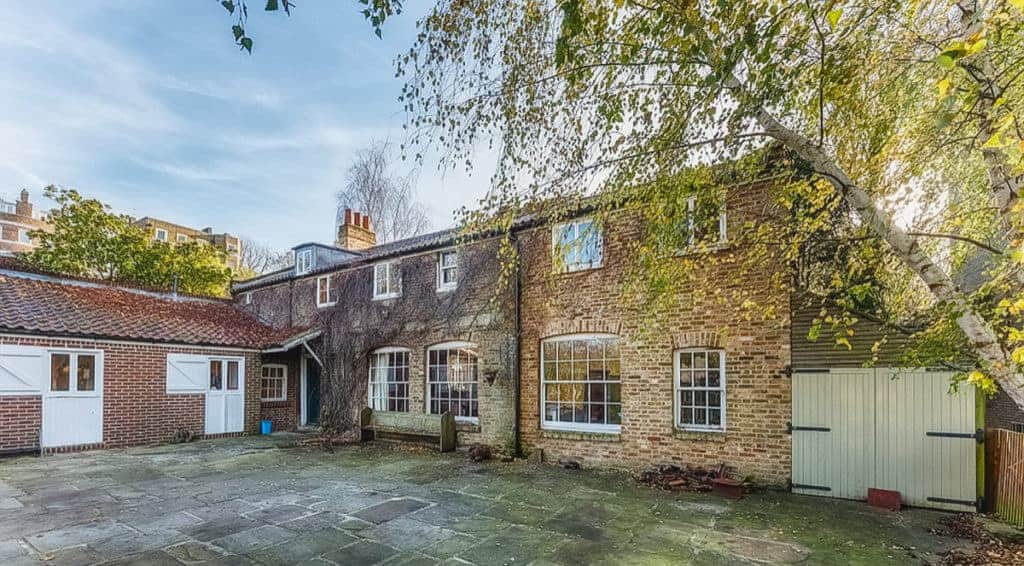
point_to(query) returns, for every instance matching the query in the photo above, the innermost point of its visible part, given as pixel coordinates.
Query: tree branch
(980, 244)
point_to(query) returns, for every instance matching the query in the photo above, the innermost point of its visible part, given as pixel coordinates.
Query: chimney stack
(23, 207)
(355, 232)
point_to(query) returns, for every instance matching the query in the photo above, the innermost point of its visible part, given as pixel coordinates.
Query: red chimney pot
(348, 216)
(366, 222)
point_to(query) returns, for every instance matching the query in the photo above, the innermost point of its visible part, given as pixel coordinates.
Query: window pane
(60, 372)
(714, 378)
(86, 372)
(394, 279)
(233, 375)
(614, 414)
(216, 380)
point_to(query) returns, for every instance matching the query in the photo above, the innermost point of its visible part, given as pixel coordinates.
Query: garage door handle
(978, 435)
(790, 429)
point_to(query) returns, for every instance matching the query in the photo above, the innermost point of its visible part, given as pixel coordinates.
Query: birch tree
(898, 109)
(887, 110)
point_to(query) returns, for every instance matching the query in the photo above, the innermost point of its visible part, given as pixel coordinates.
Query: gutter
(293, 342)
(517, 381)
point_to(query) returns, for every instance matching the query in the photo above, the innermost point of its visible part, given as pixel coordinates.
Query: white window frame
(157, 237)
(678, 390)
(455, 345)
(303, 261)
(224, 362)
(388, 268)
(320, 287)
(574, 426)
(691, 218)
(283, 378)
(441, 268)
(408, 383)
(23, 236)
(72, 391)
(181, 238)
(576, 243)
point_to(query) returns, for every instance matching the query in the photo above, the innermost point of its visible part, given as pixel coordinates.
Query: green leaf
(238, 31)
(944, 61)
(229, 6)
(271, 6)
(246, 43)
(833, 17)
(814, 332)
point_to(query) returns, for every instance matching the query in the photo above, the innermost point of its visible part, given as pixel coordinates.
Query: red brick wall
(19, 422)
(285, 414)
(592, 301)
(136, 406)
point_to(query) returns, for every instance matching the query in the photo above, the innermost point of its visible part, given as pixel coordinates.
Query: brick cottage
(547, 358)
(85, 364)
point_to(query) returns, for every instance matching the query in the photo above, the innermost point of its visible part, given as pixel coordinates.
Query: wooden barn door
(888, 428)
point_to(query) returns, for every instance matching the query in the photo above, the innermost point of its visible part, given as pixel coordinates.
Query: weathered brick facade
(20, 421)
(420, 318)
(284, 415)
(136, 406)
(757, 353)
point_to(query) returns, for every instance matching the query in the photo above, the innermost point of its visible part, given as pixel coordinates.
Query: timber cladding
(757, 355)
(136, 406)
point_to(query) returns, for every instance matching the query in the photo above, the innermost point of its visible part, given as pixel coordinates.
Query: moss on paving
(445, 508)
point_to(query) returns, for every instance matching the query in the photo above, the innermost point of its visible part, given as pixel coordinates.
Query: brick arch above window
(563, 327)
(703, 339)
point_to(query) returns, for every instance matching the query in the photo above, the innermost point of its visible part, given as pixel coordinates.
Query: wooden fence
(1004, 467)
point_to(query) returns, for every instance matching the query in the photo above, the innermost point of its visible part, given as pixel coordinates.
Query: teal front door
(312, 392)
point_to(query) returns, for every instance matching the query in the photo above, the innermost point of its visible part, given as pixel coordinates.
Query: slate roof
(51, 305)
(414, 244)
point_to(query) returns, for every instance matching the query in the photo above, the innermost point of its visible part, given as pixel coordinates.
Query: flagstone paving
(270, 501)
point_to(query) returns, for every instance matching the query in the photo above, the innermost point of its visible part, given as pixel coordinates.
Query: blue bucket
(265, 427)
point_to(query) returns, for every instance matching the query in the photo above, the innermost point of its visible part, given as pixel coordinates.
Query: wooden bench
(438, 430)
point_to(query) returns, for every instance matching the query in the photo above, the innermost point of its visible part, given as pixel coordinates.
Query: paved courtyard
(268, 501)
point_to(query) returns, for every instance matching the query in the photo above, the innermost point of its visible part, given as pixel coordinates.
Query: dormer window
(303, 261)
(161, 235)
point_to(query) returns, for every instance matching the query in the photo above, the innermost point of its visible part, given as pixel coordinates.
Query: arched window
(581, 383)
(453, 380)
(389, 380)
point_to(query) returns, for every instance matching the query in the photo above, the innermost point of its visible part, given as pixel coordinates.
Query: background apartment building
(164, 231)
(17, 219)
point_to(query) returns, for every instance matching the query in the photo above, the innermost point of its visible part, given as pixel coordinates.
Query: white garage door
(897, 429)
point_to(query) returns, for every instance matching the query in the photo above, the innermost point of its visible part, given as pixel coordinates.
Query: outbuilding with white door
(85, 364)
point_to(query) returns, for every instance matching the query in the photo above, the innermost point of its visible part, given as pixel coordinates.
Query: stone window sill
(700, 435)
(579, 435)
(285, 403)
(464, 426)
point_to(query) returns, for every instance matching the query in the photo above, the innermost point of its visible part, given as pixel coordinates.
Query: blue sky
(149, 106)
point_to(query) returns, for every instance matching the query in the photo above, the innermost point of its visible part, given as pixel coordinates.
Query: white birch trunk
(980, 333)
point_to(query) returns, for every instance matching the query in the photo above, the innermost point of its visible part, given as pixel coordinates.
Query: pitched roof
(376, 253)
(33, 303)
